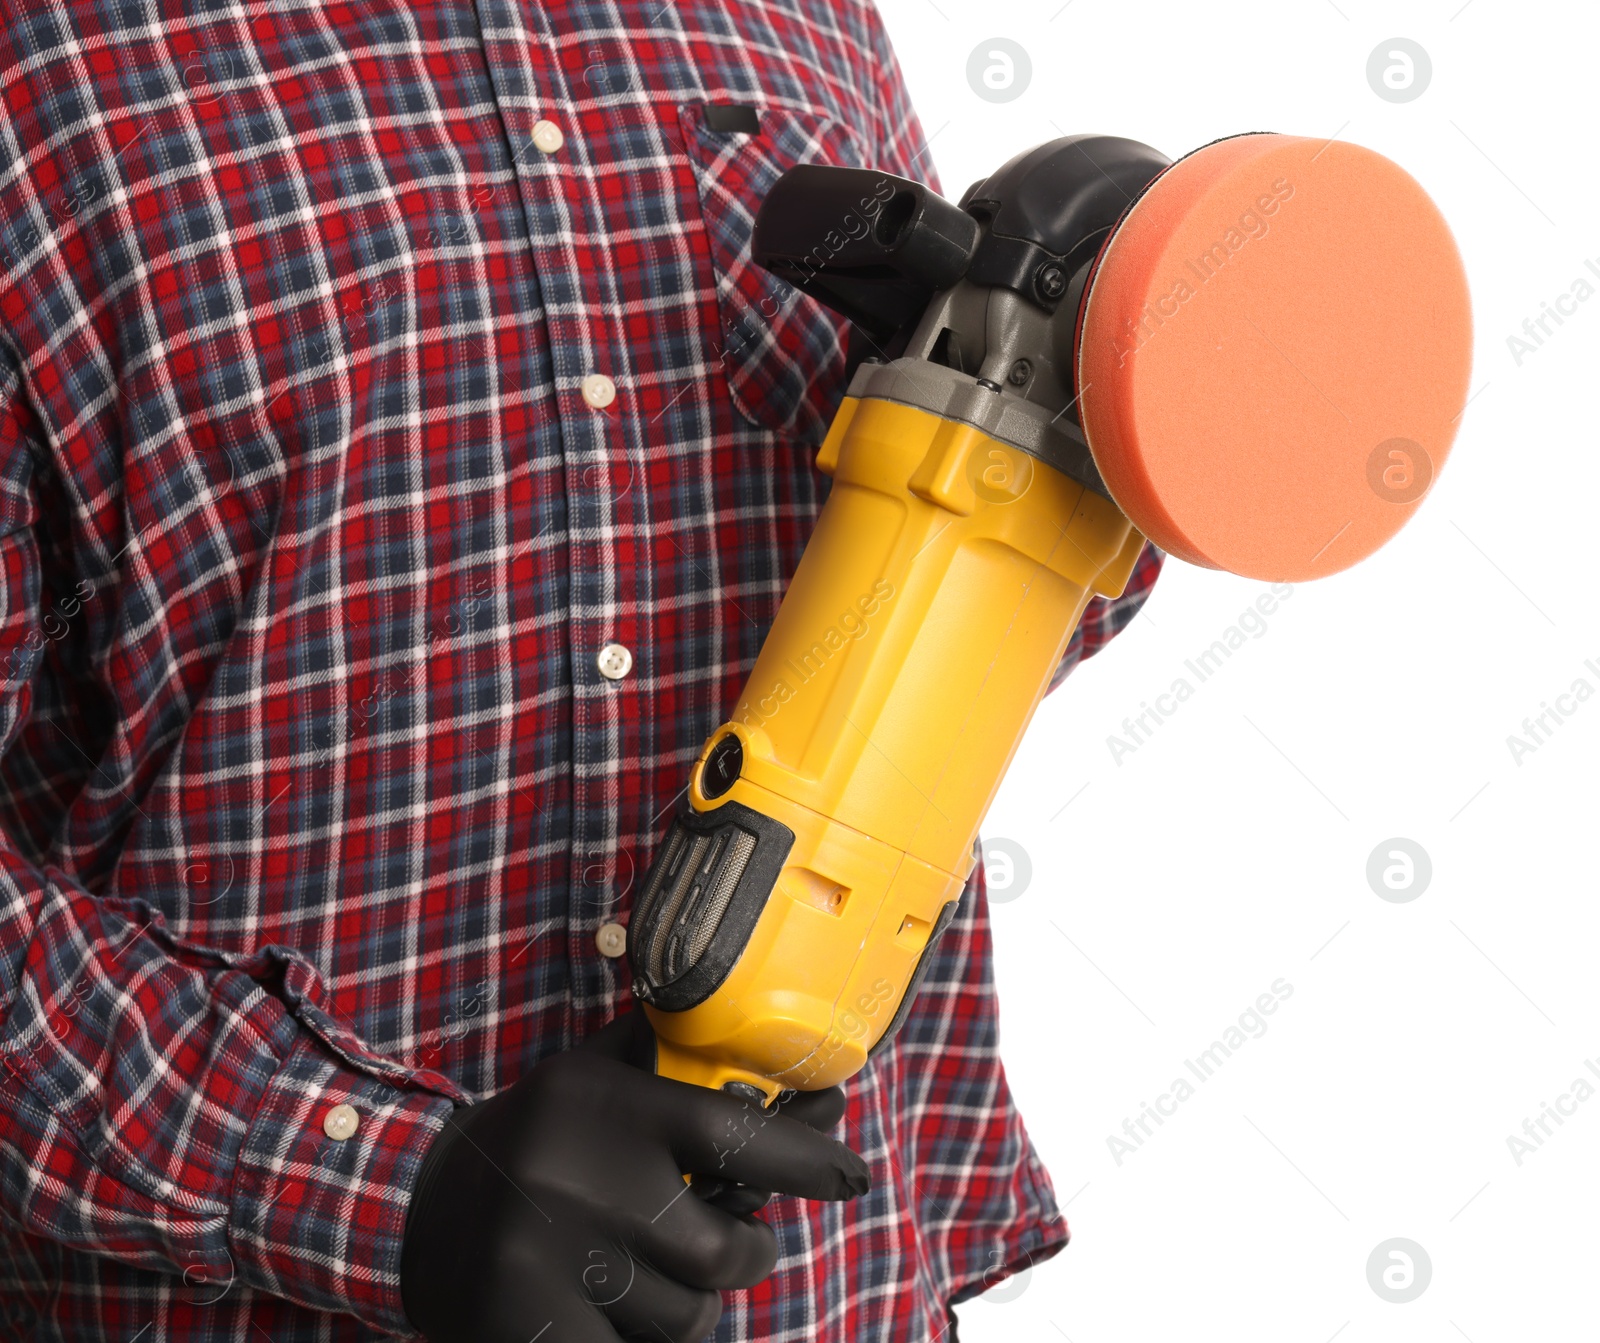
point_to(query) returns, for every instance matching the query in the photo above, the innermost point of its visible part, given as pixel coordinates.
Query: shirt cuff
(320, 1191)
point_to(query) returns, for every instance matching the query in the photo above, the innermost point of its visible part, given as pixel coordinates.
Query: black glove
(557, 1209)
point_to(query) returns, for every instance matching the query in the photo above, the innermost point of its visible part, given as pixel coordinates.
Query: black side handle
(873, 247)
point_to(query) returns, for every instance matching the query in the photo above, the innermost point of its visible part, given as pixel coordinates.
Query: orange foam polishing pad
(1273, 355)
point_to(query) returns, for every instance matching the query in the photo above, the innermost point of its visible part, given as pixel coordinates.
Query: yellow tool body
(921, 630)
(780, 933)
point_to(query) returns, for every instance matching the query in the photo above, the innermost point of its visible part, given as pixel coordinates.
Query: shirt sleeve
(904, 150)
(166, 1104)
(901, 143)
(1106, 617)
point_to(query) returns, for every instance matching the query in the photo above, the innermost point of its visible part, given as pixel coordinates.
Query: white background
(1231, 850)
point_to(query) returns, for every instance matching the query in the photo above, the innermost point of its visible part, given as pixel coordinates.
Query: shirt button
(614, 662)
(612, 939)
(341, 1122)
(547, 137)
(599, 391)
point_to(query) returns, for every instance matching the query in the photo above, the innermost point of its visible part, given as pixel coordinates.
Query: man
(400, 463)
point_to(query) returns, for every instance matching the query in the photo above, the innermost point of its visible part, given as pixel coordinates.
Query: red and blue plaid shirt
(312, 792)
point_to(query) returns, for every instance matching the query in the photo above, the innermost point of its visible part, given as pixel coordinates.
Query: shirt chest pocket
(783, 354)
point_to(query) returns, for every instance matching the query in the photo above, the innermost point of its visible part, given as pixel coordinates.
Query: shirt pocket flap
(783, 353)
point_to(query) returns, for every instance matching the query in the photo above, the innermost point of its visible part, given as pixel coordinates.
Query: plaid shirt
(313, 521)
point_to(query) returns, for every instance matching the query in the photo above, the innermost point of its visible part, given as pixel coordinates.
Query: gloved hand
(557, 1209)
